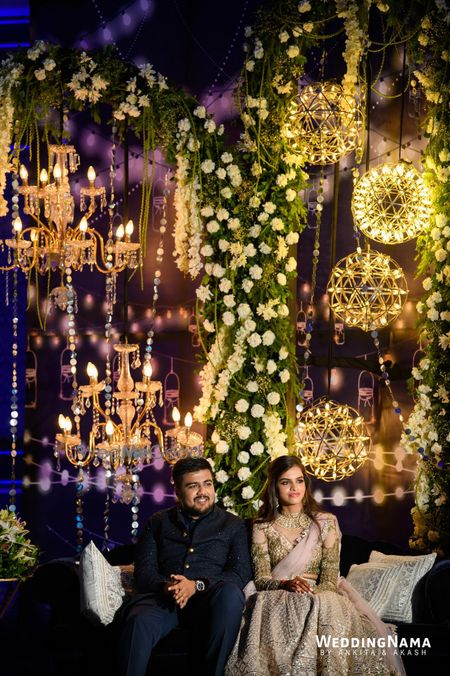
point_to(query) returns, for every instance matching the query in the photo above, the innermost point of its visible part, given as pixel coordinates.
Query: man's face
(196, 494)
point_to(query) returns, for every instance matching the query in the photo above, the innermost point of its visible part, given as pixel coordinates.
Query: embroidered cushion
(101, 586)
(387, 583)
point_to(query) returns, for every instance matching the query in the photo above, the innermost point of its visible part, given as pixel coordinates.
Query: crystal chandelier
(54, 242)
(367, 289)
(181, 441)
(332, 440)
(324, 123)
(123, 443)
(391, 203)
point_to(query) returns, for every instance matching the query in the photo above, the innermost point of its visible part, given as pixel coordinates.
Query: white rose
(271, 366)
(283, 36)
(218, 270)
(281, 279)
(249, 250)
(256, 448)
(284, 375)
(255, 230)
(222, 447)
(255, 272)
(222, 214)
(184, 124)
(244, 473)
(281, 180)
(283, 310)
(290, 195)
(233, 224)
(200, 112)
(254, 340)
(40, 74)
(49, 64)
(269, 207)
(257, 411)
(277, 224)
(212, 227)
(433, 315)
(215, 438)
(207, 250)
(243, 432)
(229, 300)
(225, 285)
(427, 283)
(265, 248)
(247, 492)
(292, 238)
(208, 326)
(210, 126)
(273, 398)
(440, 255)
(228, 318)
(249, 325)
(268, 337)
(207, 166)
(247, 285)
(244, 310)
(252, 386)
(221, 476)
(221, 173)
(226, 192)
(283, 353)
(226, 158)
(243, 457)
(224, 245)
(241, 405)
(292, 51)
(291, 264)
(304, 7)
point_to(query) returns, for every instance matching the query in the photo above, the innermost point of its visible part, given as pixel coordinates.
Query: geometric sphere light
(324, 123)
(367, 289)
(331, 440)
(391, 203)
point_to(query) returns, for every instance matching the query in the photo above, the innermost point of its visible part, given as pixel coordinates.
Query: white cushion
(101, 586)
(387, 583)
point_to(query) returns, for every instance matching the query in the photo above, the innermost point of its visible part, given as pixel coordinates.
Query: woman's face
(291, 488)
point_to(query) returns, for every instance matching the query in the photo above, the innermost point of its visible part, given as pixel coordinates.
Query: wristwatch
(199, 585)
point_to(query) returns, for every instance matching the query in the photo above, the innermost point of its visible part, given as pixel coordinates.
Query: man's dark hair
(186, 465)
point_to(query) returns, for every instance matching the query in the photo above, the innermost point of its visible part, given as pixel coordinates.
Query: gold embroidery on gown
(279, 628)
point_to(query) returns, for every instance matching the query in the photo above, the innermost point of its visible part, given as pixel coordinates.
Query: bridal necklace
(293, 521)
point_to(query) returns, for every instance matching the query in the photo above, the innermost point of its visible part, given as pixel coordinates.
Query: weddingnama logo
(368, 645)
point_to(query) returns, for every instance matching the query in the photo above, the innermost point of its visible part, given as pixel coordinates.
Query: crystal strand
(79, 507)
(13, 421)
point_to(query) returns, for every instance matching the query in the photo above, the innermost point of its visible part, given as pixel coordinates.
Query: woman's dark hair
(186, 465)
(269, 509)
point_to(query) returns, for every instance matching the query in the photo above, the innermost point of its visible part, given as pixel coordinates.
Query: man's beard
(195, 511)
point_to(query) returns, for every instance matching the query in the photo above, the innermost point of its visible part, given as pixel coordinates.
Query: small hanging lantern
(331, 440)
(391, 203)
(367, 289)
(324, 123)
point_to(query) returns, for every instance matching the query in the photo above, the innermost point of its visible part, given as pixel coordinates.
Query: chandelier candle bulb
(23, 173)
(83, 225)
(92, 373)
(129, 230)
(91, 175)
(176, 416)
(147, 371)
(17, 225)
(43, 177)
(119, 232)
(62, 423)
(57, 173)
(109, 429)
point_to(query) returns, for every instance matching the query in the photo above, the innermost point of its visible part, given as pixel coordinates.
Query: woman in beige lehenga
(297, 599)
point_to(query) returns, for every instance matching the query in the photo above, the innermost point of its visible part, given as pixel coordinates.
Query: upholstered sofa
(64, 643)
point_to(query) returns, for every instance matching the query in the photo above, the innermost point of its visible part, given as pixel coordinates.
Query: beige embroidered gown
(279, 628)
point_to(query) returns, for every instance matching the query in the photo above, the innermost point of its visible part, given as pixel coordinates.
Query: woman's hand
(298, 585)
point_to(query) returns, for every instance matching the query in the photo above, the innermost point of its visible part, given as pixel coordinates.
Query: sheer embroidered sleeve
(261, 559)
(331, 545)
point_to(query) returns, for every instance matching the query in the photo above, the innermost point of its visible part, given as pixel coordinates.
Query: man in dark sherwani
(192, 562)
